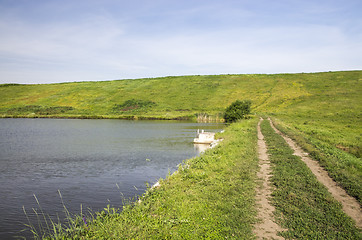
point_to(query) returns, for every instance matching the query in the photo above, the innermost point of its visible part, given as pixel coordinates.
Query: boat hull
(200, 141)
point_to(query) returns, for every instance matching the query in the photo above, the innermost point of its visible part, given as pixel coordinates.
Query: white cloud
(255, 50)
(58, 40)
(100, 45)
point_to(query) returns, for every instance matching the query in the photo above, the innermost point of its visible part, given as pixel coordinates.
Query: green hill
(183, 96)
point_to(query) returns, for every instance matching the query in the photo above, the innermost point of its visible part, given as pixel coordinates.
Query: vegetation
(210, 197)
(187, 96)
(304, 205)
(134, 105)
(345, 168)
(39, 110)
(237, 110)
(324, 107)
(321, 111)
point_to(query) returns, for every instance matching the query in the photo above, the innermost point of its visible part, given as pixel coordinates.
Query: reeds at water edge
(46, 226)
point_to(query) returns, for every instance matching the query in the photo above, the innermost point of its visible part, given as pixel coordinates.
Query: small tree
(237, 110)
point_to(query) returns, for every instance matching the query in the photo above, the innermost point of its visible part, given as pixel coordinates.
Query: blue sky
(47, 41)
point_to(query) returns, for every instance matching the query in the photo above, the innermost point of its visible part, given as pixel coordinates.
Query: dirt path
(267, 228)
(350, 205)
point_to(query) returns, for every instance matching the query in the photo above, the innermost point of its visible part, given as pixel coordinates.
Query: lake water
(91, 162)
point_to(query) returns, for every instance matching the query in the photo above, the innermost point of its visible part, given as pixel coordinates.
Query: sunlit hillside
(187, 95)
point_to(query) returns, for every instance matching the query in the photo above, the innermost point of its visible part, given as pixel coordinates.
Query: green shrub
(40, 110)
(133, 105)
(237, 110)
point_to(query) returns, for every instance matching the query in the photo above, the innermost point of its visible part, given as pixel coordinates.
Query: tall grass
(49, 228)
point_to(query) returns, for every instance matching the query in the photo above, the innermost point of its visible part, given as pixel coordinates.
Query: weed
(48, 228)
(39, 110)
(134, 105)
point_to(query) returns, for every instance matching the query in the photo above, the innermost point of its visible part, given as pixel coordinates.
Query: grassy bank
(210, 197)
(304, 206)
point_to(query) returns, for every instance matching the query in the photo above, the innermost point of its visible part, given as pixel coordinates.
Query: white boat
(204, 137)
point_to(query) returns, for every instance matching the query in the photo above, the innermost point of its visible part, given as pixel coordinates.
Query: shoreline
(126, 117)
(211, 146)
(130, 117)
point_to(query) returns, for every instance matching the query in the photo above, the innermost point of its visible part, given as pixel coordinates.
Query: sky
(52, 41)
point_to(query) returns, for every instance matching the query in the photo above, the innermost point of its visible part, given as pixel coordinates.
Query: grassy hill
(184, 96)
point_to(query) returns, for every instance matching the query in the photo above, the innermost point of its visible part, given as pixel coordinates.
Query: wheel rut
(350, 205)
(266, 228)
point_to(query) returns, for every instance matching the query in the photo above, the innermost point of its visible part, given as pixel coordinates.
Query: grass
(183, 96)
(50, 228)
(210, 197)
(345, 168)
(321, 111)
(304, 206)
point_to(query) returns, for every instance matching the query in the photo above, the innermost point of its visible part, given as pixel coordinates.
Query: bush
(40, 110)
(134, 105)
(237, 110)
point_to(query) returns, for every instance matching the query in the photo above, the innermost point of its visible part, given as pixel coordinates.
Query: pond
(93, 163)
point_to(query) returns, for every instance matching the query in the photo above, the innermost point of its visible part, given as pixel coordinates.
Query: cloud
(58, 40)
(250, 50)
(106, 41)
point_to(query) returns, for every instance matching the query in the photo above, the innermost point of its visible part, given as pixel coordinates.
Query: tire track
(350, 205)
(266, 228)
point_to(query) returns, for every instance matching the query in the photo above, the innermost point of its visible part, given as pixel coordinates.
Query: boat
(203, 137)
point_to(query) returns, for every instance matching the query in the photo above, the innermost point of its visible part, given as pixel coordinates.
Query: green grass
(211, 197)
(321, 111)
(343, 167)
(185, 95)
(304, 206)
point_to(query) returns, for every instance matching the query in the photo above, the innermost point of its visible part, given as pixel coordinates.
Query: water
(91, 162)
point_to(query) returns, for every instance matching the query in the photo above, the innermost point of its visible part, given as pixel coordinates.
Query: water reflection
(201, 147)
